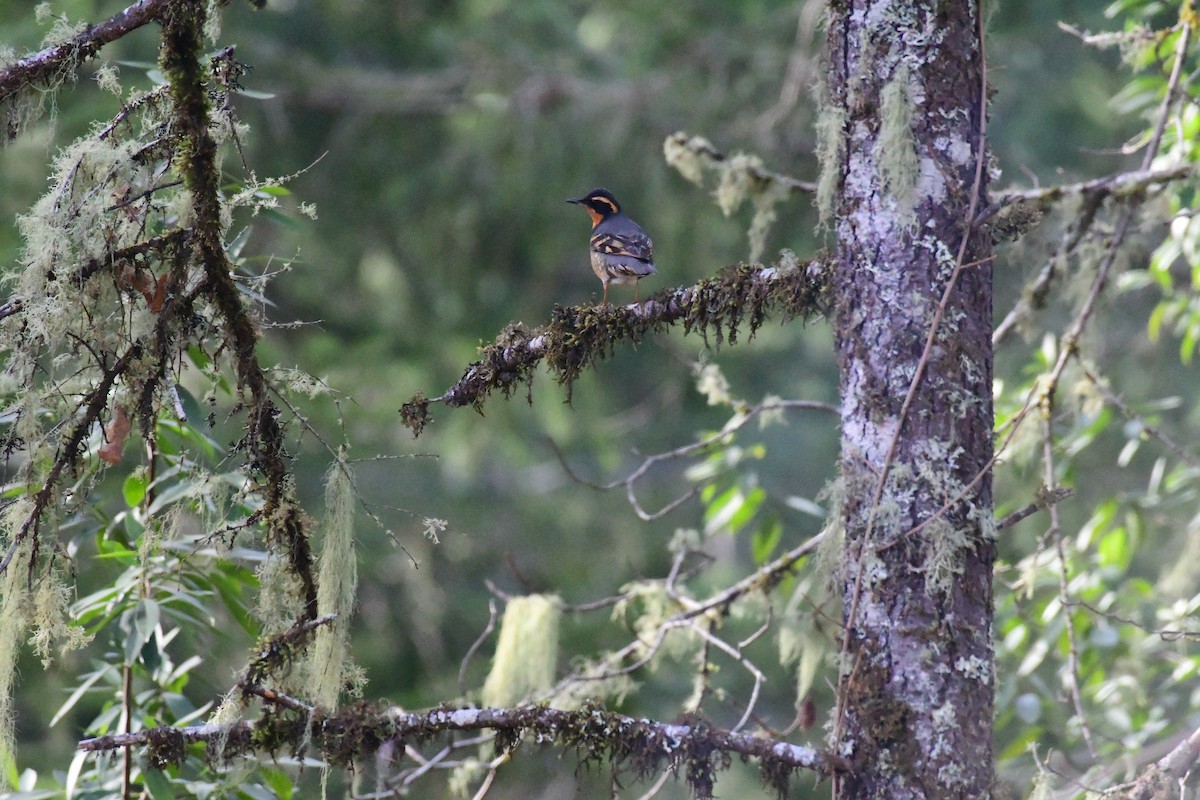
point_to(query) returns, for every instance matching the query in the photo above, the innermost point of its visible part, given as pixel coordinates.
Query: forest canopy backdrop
(888, 489)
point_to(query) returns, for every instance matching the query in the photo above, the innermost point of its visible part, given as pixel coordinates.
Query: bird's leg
(605, 301)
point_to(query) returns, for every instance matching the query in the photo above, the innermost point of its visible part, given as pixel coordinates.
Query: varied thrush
(622, 253)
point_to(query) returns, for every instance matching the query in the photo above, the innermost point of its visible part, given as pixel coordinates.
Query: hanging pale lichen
(527, 652)
(279, 594)
(51, 622)
(689, 156)
(740, 177)
(831, 147)
(14, 600)
(338, 582)
(898, 163)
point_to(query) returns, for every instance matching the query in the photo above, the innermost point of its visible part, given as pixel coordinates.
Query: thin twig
(739, 657)
(1119, 184)
(1050, 498)
(1153, 431)
(722, 437)
(1051, 482)
(474, 648)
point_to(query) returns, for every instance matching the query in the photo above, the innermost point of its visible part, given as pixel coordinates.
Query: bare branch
(1050, 498)
(735, 424)
(1121, 184)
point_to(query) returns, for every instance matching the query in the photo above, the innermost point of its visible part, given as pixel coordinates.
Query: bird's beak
(576, 200)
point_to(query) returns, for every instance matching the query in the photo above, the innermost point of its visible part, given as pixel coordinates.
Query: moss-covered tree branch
(181, 60)
(692, 748)
(47, 66)
(578, 336)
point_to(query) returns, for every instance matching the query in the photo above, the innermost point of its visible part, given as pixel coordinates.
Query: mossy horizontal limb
(47, 63)
(578, 336)
(646, 744)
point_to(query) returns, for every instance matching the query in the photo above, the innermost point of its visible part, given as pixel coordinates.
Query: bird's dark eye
(600, 202)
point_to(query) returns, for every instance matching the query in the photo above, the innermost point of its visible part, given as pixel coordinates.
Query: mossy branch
(175, 307)
(68, 449)
(45, 65)
(644, 745)
(126, 256)
(579, 336)
(182, 49)
(1119, 185)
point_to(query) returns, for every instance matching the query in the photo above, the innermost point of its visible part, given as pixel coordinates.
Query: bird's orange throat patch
(594, 214)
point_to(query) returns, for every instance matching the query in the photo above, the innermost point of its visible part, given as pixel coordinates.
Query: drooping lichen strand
(13, 602)
(526, 653)
(898, 162)
(336, 587)
(831, 149)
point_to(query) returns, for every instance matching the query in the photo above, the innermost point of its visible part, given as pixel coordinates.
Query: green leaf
(282, 219)
(198, 357)
(174, 493)
(279, 782)
(134, 489)
(750, 505)
(82, 689)
(1154, 325)
(74, 771)
(191, 406)
(722, 509)
(139, 624)
(1114, 548)
(805, 506)
(765, 540)
(158, 784)
(231, 588)
(254, 95)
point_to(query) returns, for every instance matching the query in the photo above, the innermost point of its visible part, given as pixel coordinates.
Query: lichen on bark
(913, 330)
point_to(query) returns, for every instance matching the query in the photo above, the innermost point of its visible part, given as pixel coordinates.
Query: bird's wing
(633, 243)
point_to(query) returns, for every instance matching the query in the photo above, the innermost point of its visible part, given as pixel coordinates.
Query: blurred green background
(439, 141)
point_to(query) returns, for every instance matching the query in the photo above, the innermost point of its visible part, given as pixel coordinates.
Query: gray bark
(902, 133)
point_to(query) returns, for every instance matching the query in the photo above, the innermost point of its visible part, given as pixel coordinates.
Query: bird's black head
(599, 203)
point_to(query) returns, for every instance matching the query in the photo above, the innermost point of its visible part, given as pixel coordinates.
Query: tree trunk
(903, 133)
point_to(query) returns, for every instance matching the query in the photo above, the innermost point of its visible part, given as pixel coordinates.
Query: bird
(621, 251)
